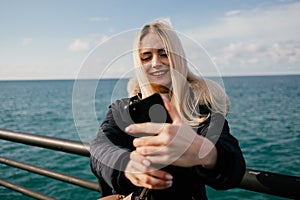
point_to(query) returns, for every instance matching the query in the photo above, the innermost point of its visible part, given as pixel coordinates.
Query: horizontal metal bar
(271, 183)
(254, 180)
(58, 144)
(51, 174)
(24, 190)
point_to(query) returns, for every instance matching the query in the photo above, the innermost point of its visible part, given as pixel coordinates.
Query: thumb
(172, 111)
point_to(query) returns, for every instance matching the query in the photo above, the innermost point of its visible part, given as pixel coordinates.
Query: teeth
(158, 73)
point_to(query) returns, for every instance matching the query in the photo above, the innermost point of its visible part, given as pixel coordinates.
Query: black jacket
(111, 148)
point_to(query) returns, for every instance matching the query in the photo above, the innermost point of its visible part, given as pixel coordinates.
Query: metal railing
(254, 180)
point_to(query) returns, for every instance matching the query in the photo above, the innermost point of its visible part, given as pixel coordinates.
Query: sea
(264, 116)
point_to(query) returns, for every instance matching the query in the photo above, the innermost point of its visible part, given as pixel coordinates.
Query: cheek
(166, 62)
(146, 67)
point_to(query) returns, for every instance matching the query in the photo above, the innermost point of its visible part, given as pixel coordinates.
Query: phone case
(150, 109)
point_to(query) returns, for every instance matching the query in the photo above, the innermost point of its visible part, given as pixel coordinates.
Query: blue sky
(52, 39)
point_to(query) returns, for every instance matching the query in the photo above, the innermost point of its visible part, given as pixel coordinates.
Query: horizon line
(111, 78)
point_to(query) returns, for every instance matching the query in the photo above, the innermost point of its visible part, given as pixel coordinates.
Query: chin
(163, 84)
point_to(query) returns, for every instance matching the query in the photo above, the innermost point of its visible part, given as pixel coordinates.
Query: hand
(140, 173)
(177, 143)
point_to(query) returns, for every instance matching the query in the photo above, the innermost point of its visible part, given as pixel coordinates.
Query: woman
(176, 160)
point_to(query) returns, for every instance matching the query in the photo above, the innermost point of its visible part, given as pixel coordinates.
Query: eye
(163, 55)
(146, 57)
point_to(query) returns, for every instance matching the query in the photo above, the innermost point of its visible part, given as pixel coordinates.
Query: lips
(159, 73)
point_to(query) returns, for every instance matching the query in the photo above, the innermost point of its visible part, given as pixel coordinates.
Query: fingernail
(169, 183)
(127, 129)
(169, 177)
(146, 163)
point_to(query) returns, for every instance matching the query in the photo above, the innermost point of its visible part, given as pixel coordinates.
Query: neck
(160, 88)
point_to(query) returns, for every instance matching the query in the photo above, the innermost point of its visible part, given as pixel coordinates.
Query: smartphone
(150, 109)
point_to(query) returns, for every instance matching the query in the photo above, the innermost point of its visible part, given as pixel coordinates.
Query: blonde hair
(187, 90)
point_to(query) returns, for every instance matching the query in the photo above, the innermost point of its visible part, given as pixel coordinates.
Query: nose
(156, 62)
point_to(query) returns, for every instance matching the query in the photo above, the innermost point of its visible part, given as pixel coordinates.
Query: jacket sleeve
(231, 166)
(110, 152)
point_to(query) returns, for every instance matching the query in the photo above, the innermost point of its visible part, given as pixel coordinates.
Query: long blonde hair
(187, 90)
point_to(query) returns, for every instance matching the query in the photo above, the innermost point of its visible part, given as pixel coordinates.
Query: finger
(147, 127)
(161, 160)
(147, 141)
(156, 179)
(151, 150)
(160, 174)
(134, 168)
(139, 159)
(134, 179)
(153, 182)
(172, 111)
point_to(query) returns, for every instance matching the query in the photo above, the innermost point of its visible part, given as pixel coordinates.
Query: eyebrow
(161, 50)
(148, 52)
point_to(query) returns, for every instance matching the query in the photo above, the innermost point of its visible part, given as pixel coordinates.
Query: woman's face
(155, 60)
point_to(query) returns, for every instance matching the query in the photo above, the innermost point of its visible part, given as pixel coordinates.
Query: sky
(61, 39)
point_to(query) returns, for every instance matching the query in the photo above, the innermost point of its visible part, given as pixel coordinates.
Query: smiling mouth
(159, 73)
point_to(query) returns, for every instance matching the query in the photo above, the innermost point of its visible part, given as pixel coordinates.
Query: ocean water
(264, 116)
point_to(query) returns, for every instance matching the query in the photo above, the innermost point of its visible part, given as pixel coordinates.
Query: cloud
(232, 12)
(26, 41)
(262, 39)
(288, 51)
(247, 54)
(271, 23)
(78, 45)
(87, 43)
(98, 19)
